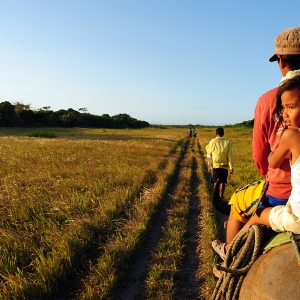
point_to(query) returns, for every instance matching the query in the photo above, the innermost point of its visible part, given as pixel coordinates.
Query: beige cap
(287, 42)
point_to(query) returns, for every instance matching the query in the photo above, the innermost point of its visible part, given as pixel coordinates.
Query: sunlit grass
(90, 193)
(121, 247)
(43, 134)
(150, 133)
(244, 172)
(166, 260)
(58, 194)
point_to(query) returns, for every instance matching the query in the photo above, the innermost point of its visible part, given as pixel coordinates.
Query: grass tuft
(43, 134)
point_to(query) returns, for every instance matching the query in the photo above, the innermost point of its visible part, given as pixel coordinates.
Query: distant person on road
(190, 132)
(266, 136)
(220, 148)
(194, 132)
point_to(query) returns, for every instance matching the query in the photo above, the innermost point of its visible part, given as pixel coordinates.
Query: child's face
(291, 108)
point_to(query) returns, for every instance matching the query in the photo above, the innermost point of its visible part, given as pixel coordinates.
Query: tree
(7, 114)
(21, 107)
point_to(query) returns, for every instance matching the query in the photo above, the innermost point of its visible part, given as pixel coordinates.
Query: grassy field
(78, 206)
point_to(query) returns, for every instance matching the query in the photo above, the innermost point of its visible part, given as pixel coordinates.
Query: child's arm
(275, 158)
(260, 217)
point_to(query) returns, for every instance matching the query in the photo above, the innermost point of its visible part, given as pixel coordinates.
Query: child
(285, 218)
(190, 132)
(222, 163)
(194, 132)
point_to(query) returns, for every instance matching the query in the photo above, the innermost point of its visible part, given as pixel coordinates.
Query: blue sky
(160, 61)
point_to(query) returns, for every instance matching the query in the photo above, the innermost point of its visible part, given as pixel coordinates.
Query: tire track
(187, 281)
(132, 285)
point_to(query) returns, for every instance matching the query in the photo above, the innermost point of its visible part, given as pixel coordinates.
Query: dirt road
(187, 281)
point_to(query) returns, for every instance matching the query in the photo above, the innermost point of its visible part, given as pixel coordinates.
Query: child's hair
(220, 131)
(290, 84)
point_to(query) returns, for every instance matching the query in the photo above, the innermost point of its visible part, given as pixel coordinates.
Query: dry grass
(211, 227)
(166, 259)
(77, 202)
(58, 194)
(121, 246)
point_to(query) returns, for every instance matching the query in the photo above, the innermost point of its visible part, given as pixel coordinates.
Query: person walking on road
(220, 148)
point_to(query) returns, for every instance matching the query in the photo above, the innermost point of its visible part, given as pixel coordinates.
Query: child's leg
(260, 217)
(242, 204)
(232, 229)
(222, 189)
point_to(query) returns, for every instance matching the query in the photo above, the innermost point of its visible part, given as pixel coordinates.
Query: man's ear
(284, 68)
(281, 63)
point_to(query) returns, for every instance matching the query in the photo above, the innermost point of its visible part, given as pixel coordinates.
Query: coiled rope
(241, 254)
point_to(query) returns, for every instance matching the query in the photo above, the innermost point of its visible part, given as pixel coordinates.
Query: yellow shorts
(245, 200)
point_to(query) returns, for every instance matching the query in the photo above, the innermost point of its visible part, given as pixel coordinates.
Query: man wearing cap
(266, 136)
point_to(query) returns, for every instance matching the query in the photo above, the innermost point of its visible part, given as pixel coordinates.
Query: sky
(169, 62)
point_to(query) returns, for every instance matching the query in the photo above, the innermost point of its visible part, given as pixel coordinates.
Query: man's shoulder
(223, 141)
(269, 94)
(266, 102)
(223, 138)
(210, 142)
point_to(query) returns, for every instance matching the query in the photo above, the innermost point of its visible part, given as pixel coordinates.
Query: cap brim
(273, 58)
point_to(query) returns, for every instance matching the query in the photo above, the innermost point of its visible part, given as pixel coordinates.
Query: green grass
(244, 172)
(43, 134)
(166, 260)
(60, 196)
(81, 202)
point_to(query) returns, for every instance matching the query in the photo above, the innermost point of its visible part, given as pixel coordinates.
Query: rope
(241, 254)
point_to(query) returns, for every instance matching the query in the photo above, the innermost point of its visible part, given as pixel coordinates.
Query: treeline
(21, 115)
(248, 123)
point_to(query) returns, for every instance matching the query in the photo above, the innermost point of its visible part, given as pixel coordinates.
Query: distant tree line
(248, 123)
(21, 115)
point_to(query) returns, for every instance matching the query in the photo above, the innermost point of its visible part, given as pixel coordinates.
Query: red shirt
(265, 140)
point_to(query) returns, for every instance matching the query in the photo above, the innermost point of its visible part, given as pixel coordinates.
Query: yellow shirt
(221, 150)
